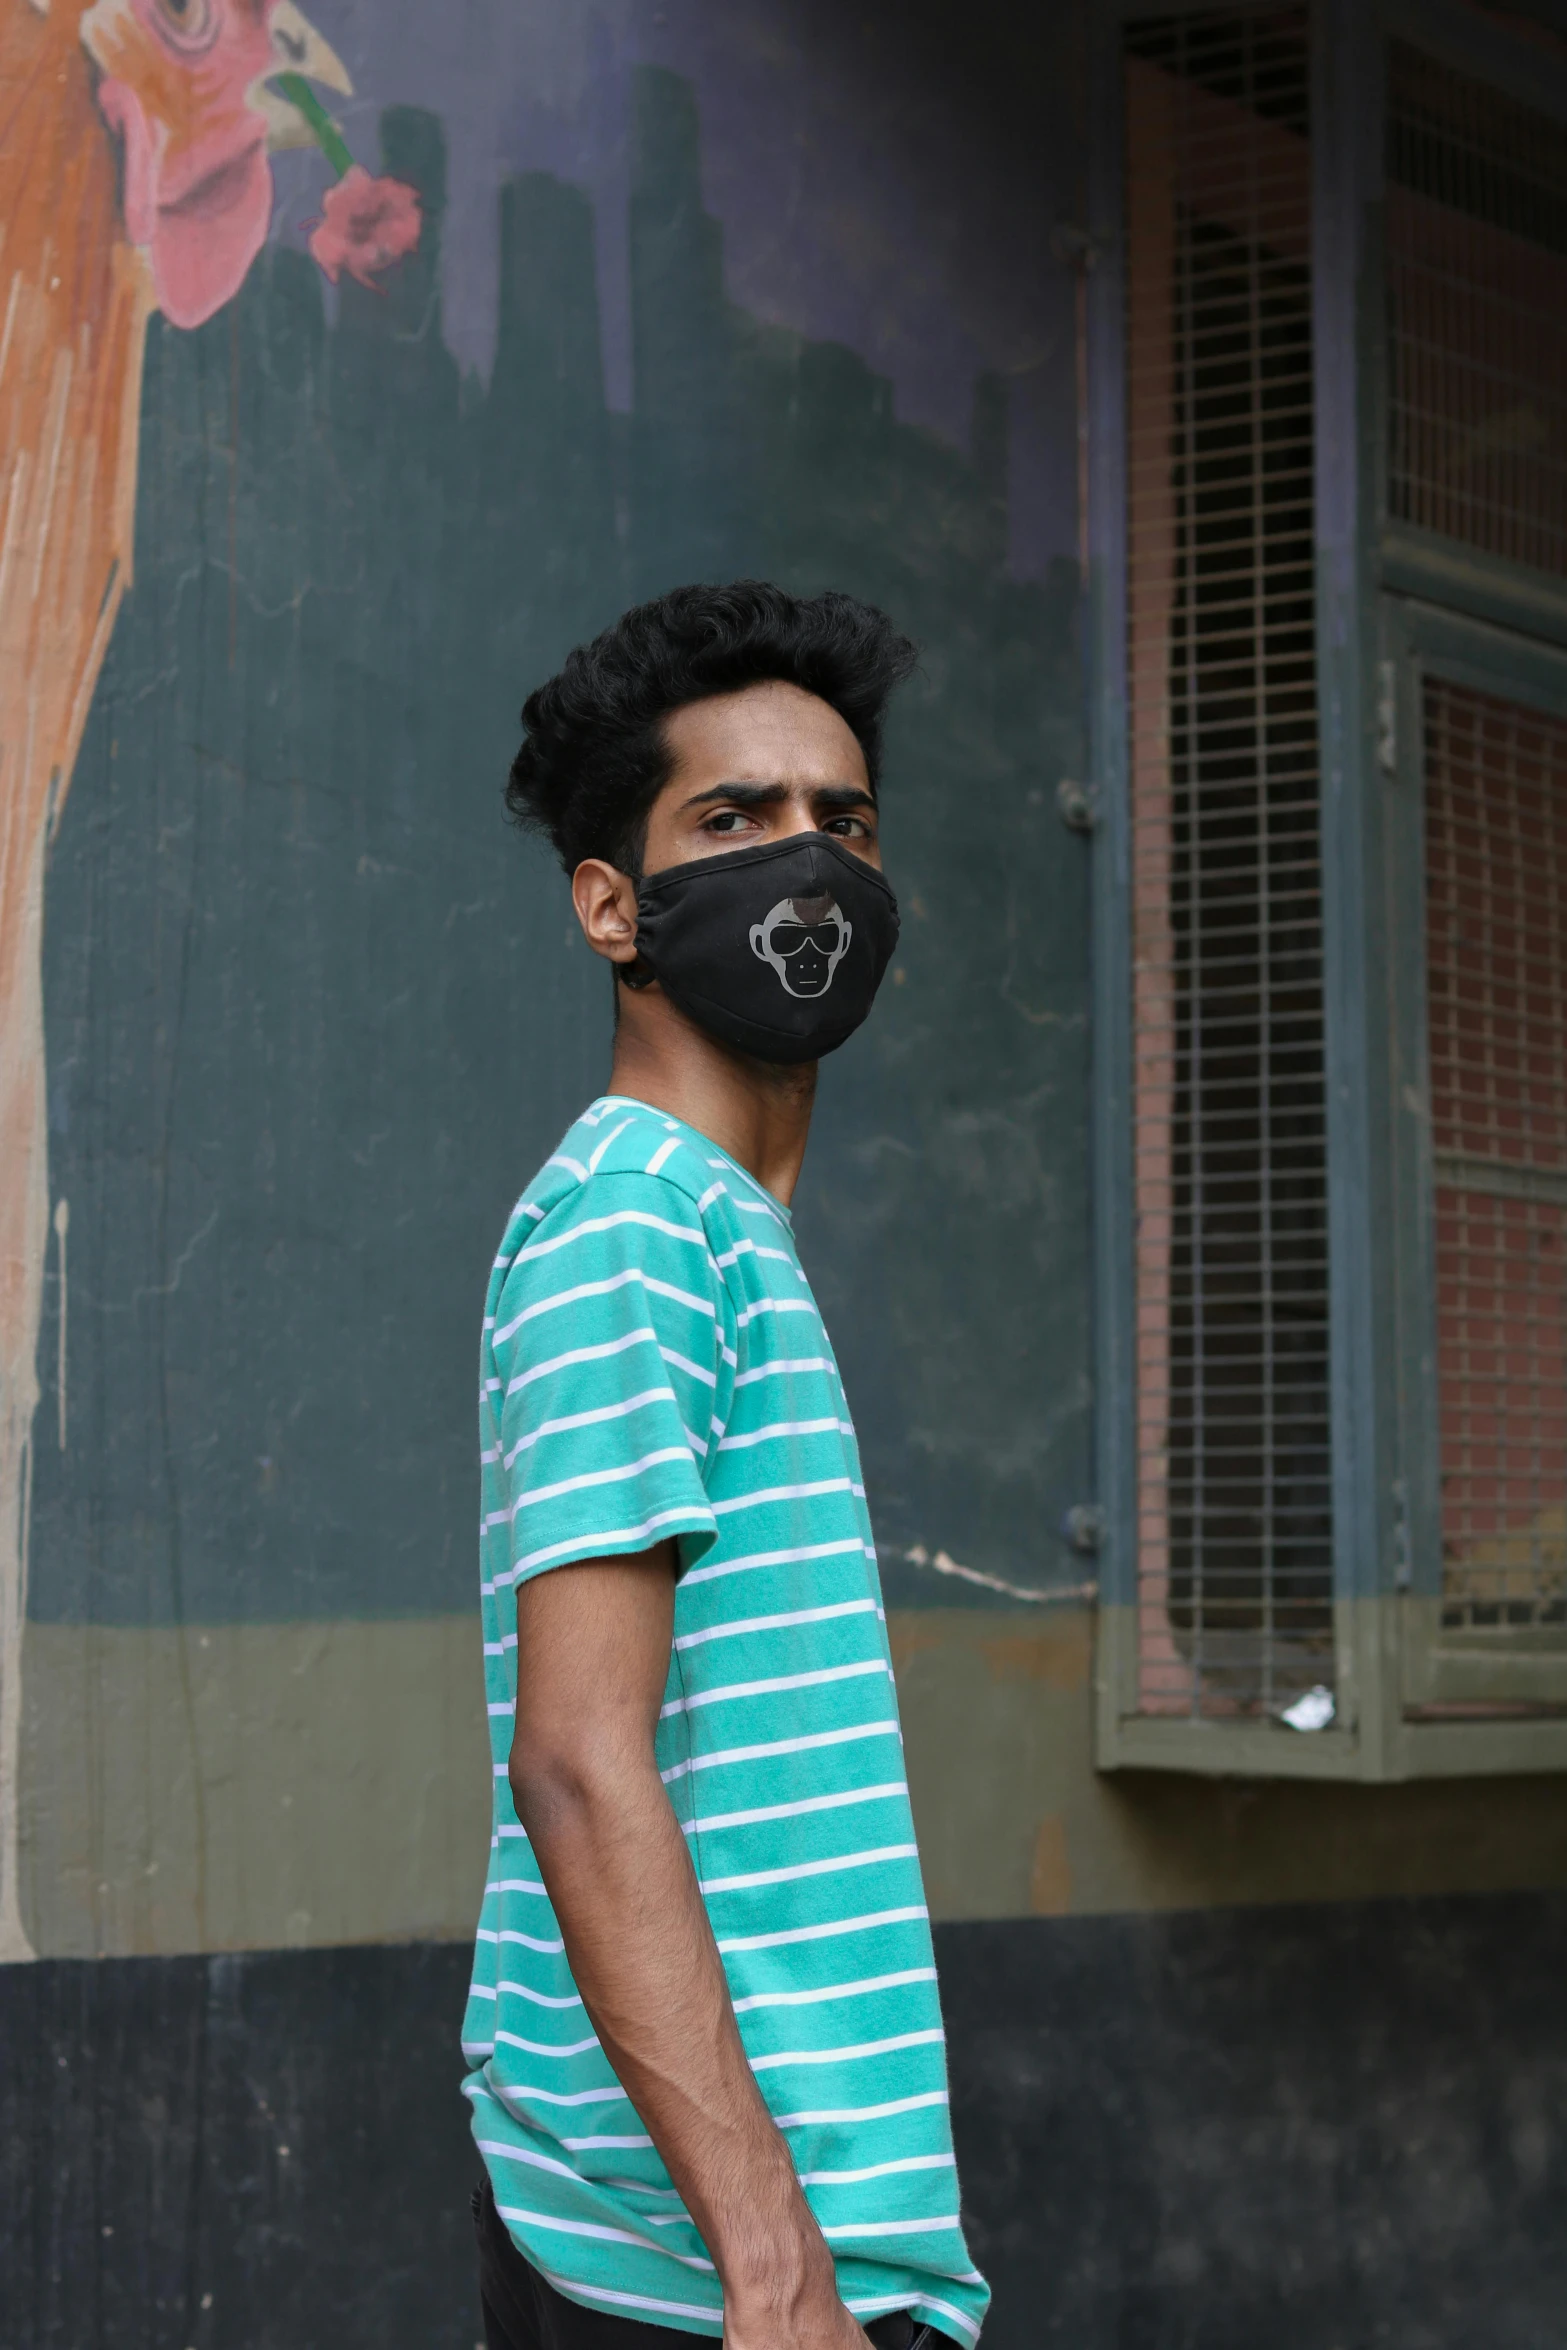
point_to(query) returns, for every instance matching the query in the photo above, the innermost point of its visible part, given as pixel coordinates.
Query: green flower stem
(324, 130)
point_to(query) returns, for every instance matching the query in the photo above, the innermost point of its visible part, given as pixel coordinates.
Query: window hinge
(1078, 803)
(1084, 1527)
(1387, 717)
(1403, 1563)
(1074, 247)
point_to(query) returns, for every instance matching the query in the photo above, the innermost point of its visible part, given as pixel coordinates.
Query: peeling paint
(1053, 1595)
(62, 1225)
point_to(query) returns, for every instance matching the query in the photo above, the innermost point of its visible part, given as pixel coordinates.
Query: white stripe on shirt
(860, 2113)
(877, 2170)
(775, 1305)
(507, 2090)
(588, 2227)
(777, 1370)
(510, 2153)
(544, 2047)
(774, 1558)
(510, 1934)
(591, 1477)
(779, 1428)
(812, 1868)
(589, 1225)
(574, 1296)
(598, 1150)
(778, 1623)
(793, 1811)
(593, 1419)
(815, 1998)
(607, 1542)
(734, 1754)
(767, 1493)
(583, 1354)
(584, 2145)
(736, 1689)
(851, 2055)
(892, 2227)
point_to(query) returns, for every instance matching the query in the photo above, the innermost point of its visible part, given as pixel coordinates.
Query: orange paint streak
(74, 301)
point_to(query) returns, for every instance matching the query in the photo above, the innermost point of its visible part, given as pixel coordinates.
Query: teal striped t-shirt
(654, 1365)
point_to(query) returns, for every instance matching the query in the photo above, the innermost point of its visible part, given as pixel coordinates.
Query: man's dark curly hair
(593, 757)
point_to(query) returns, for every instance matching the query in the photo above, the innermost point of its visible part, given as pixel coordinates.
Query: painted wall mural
(592, 305)
(394, 396)
(133, 178)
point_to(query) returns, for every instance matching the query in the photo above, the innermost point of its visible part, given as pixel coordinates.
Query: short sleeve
(612, 1348)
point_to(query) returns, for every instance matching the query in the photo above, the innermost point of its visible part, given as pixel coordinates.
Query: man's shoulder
(628, 1148)
(622, 1151)
(622, 1168)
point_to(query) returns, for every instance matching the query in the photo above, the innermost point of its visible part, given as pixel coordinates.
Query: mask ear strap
(636, 976)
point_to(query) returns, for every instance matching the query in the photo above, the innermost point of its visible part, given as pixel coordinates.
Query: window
(1476, 427)
(1496, 1016)
(1234, 1566)
(1477, 282)
(1333, 1020)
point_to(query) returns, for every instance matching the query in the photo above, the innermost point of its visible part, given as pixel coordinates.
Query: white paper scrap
(1314, 1711)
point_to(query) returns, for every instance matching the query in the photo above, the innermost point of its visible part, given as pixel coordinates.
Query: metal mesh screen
(1234, 1566)
(1477, 282)
(1496, 962)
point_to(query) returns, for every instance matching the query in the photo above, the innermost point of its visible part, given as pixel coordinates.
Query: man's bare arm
(593, 1646)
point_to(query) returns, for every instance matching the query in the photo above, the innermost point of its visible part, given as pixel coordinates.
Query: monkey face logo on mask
(804, 939)
(776, 950)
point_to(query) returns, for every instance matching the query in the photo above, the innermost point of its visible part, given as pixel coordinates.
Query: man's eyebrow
(750, 795)
(843, 795)
(767, 795)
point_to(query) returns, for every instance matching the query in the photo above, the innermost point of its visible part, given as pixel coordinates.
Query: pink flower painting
(133, 178)
(366, 224)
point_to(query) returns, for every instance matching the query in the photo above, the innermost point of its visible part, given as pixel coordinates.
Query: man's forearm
(642, 1954)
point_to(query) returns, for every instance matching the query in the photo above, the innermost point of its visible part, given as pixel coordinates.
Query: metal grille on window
(1234, 1539)
(1496, 980)
(1477, 283)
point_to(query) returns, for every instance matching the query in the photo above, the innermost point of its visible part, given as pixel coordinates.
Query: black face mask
(778, 951)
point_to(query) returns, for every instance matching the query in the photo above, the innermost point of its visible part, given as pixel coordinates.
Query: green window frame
(1442, 1664)
(1396, 606)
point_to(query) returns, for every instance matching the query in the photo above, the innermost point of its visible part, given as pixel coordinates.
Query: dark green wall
(314, 1015)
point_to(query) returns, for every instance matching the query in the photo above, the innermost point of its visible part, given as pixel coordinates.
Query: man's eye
(727, 820)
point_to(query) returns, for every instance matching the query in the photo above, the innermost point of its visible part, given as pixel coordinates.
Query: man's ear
(606, 904)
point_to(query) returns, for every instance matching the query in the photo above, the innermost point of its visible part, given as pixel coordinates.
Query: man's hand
(593, 1644)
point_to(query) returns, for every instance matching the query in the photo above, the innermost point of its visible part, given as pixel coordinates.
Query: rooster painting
(133, 177)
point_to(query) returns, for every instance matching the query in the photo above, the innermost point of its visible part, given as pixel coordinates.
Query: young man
(709, 2086)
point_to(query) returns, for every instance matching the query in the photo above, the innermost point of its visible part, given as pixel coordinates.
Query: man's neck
(756, 1111)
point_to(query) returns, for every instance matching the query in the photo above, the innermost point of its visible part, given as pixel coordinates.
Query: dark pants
(523, 2311)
